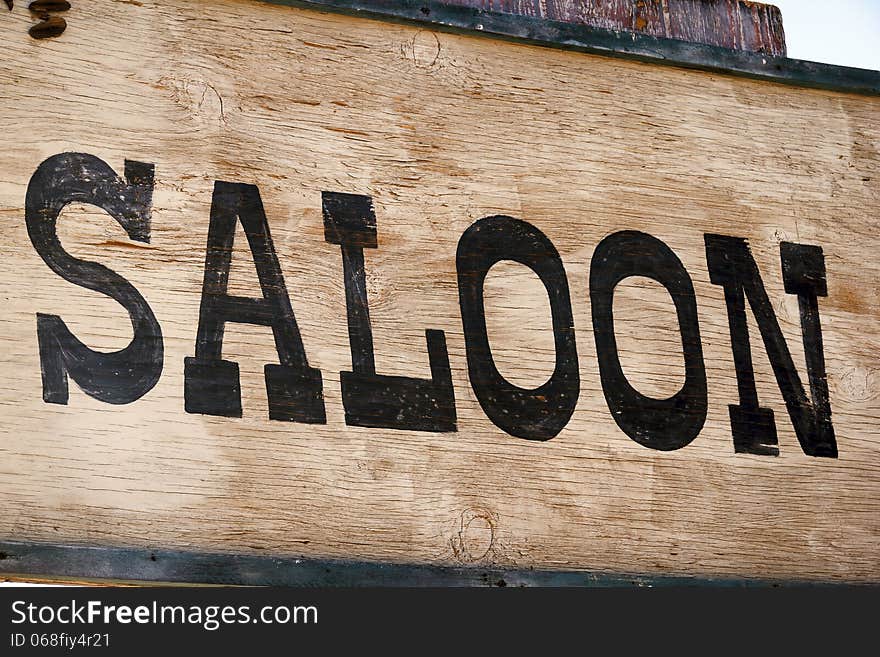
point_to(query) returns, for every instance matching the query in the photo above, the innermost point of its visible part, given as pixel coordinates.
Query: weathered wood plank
(737, 24)
(440, 130)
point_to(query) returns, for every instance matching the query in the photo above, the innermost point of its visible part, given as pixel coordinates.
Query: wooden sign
(283, 282)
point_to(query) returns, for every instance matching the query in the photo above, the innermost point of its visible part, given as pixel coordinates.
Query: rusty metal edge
(599, 41)
(172, 567)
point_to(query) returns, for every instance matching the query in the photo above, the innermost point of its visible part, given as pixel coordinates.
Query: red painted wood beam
(736, 24)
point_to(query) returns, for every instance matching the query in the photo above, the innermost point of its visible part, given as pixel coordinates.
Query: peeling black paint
(120, 377)
(295, 390)
(212, 387)
(541, 413)
(732, 266)
(371, 399)
(662, 424)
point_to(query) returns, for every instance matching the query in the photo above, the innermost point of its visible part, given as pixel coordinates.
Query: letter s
(118, 377)
(16, 609)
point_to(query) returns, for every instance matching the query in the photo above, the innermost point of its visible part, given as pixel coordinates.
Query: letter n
(732, 266)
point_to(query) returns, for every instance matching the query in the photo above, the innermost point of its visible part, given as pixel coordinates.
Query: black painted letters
(122, 376)
(538, 414)
(371, 399)
(212, 386)
(295, 390)
(662, 424)
(732, 266)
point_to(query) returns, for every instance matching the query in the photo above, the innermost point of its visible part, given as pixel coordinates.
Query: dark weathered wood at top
(735, 24)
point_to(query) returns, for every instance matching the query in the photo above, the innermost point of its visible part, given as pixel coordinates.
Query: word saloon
(371, 399)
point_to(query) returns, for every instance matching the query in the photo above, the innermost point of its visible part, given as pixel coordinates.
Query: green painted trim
(594, 40)
(118, 564)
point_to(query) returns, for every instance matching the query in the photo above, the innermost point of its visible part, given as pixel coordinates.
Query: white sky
(845, 32)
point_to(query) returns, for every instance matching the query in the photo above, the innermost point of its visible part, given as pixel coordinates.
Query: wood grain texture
(736, 24)
(440, 130)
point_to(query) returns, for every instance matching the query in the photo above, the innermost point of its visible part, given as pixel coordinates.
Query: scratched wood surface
(737, 24)
(441, 130)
